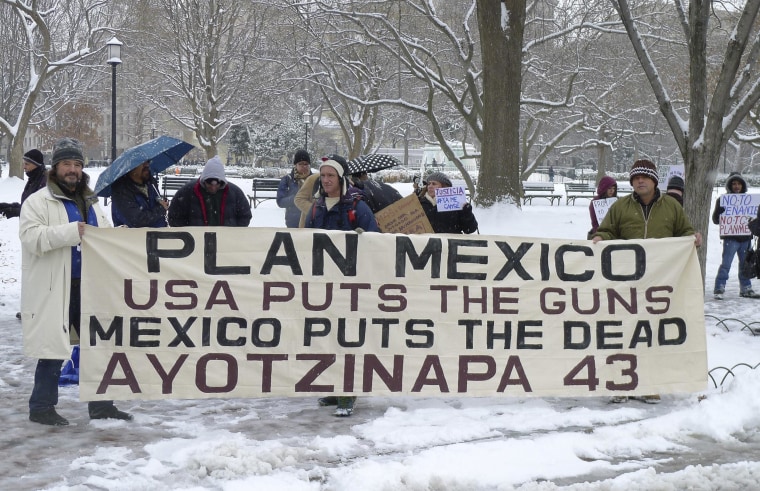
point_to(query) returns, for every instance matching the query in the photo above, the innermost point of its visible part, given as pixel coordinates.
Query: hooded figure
(607, 188)
(733, 245)
(210, 201)
(289, 186)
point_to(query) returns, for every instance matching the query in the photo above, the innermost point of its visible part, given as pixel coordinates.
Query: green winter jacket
(625, 220)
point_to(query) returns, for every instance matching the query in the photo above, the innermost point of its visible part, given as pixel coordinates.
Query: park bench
(539, 190)
(575, 190)
(172, 183)
(624, 188)
(263, 189)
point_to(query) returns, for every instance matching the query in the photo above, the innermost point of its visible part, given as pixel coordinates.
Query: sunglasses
(213, 182)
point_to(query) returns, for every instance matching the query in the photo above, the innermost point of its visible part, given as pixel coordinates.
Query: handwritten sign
(740, 208)
(601, 207)
(450, 199)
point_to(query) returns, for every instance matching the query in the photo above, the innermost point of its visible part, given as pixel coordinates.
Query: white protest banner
(601, 207)
(451, 198)
(739, 209)
(249, 312)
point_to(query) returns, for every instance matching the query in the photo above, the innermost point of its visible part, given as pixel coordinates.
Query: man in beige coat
(51, 226)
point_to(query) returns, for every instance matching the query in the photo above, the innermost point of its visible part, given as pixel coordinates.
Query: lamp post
(306, 123)
(114, 59)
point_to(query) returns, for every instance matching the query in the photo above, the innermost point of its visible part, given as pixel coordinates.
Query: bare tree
(49, 39)
(718, 100)
(203, 64)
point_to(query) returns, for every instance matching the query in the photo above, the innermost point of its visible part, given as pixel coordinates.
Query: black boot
(48, 417)
(110, 412)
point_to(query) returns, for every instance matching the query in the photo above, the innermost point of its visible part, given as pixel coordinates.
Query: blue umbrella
(162, 152)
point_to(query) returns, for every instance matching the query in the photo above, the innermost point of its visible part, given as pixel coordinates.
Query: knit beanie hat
(338, 159)
(301, 156)
(340, 168)
(646, 168)
(676, 182)
(440, 177)
(35, 157)
(214, 169)
(67, 149)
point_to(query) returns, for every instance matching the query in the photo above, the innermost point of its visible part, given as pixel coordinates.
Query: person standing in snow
(446, 222)
(675, 188)
(135, 201)
(645, 214)
(335, 208)
(607, 188)
(289, 186)
(210, 201)
(36, 179)
(51, 227)
(733, 245)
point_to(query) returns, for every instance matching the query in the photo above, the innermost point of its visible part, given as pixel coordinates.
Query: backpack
(754, 226)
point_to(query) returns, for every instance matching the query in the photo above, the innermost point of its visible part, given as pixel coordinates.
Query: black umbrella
(372, 163)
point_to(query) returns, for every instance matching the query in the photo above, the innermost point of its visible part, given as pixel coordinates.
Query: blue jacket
(130, 206)
(286, 194)
(339, 216)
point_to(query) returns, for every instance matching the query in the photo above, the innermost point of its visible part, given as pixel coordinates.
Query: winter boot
(328, 401)
(110, 412)
(48, 417)
(345, 407)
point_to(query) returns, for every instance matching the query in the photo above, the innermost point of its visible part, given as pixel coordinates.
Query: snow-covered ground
(699, 441)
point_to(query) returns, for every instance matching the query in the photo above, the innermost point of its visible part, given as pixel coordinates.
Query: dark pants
(45, 392)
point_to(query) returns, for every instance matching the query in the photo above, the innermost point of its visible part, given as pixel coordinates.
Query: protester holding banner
(51, 226)
(335, 208)
(645, 214)
(210, 201)
(733, 245)
(607, 188)
(289, 186)
(446, 222)
(135, 201)
(311, 189)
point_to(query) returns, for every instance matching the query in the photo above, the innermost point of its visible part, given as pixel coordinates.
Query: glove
(721, 210)
(359, 230)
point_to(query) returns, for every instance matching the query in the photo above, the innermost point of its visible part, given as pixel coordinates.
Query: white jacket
(46, 240)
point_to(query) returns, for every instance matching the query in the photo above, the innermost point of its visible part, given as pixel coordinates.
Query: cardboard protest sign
(223, 312)
(405, 216)
(740, 208)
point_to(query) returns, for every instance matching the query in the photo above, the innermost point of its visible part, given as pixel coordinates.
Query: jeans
(45, 392)
(731, 248)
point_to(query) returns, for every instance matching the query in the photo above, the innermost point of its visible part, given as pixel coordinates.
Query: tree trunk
(501, 27)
